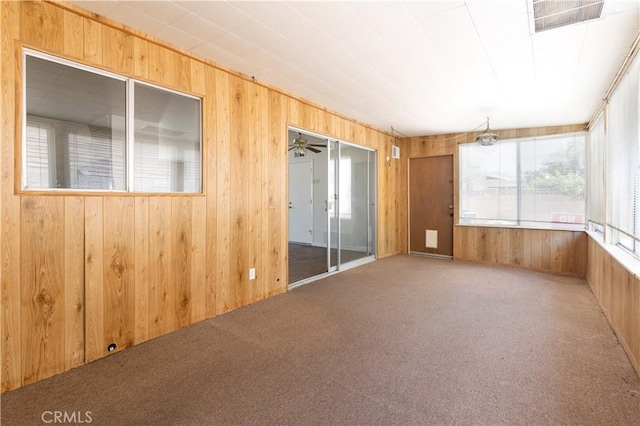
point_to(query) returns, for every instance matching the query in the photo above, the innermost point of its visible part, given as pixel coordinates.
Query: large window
(596, 172)
(86, 129)
(623, 174)
(538, 182)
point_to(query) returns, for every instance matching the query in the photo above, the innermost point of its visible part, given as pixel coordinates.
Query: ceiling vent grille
(549, 14)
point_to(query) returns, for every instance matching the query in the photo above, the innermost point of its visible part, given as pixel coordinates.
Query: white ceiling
(423, 67)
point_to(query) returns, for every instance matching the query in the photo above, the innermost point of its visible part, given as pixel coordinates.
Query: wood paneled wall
(558, 252)
(555, 252)
(80, 271)
(618, 293)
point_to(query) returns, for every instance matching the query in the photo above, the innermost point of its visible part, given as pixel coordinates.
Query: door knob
(451, 206)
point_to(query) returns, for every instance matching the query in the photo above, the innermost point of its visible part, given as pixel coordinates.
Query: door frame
(352, 264)
(455, 205)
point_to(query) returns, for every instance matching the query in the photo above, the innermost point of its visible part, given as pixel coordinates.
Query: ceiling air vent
(549, 14)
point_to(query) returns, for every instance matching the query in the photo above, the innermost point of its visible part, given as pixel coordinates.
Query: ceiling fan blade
(315, 144)
(313, 149)
(290, 148)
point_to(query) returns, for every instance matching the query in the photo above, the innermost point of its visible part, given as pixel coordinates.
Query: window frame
(129, 132)
(517, 224)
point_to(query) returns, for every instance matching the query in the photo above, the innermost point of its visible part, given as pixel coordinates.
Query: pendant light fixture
(487, 138)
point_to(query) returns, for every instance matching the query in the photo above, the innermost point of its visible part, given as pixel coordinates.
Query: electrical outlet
(252, 273)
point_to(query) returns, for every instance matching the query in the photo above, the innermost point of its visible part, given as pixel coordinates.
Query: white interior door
(301, 202)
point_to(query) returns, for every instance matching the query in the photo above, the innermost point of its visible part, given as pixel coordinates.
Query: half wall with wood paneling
(554, 251)
(618, 293)
(81, 271)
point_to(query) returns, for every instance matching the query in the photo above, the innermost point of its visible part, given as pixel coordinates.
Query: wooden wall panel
(92, 42)
(43, 291)
(127, 268)
(141, 266)
(210, 180)
(41, 25)
(198, 249)
(117, 50)
(119, 272)
(618, 293)
(276, 263)
(74, 281)
(239, 185)
(10, 241)
(162, 315)
(181, 259)
(223, 193)
(73, 45)
(556, 252)
(94, 278)
(253, 121)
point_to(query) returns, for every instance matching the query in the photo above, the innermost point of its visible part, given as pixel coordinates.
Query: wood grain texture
(162, 316)
(119, 272)
(181, 259)
(117, 50)
(277, 270)
(133, 267)
(141, 280)
(72, 34)
(74, 281)
(618, 293)
(239, 197)
(210, 189)
(10, 241)
(198, 270)
(94, 278)
(556, 252)
(223, 194)
(42, 25)
(92, 42)
(43, 288)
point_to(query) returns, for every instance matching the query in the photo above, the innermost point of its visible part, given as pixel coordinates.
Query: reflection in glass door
(352, 215)
(332, 210)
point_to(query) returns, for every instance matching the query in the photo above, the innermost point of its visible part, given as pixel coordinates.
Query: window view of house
(537, 182)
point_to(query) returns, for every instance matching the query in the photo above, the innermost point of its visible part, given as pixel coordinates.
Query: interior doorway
(343, 206)
(431, 208)
(301, 202)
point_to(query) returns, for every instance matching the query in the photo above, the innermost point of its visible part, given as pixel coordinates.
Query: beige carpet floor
(404, 340)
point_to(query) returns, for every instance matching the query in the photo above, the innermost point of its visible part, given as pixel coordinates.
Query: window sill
(624, 258)
(102, 193)
(552, 227)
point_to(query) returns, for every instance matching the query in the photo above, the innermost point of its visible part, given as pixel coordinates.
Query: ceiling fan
(300, 144)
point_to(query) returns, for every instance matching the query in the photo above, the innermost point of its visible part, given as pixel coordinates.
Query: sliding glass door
(336, 212)
(352, 216)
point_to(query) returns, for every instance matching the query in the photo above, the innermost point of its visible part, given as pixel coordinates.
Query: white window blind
(489, 183)
(623, 158)
(37, 144)
(96, 159)
(596, 172)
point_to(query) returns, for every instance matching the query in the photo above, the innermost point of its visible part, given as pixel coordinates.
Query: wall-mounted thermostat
(395, 151)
